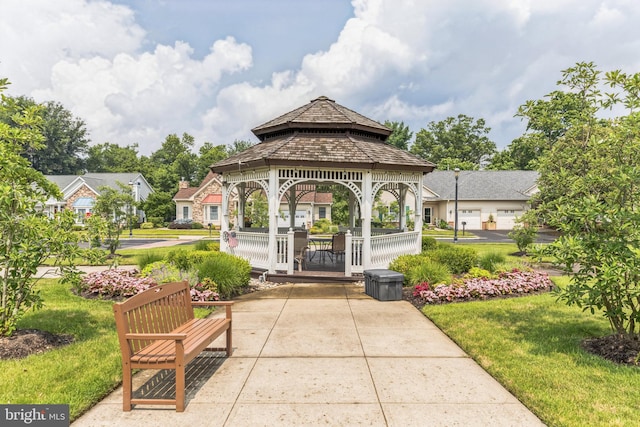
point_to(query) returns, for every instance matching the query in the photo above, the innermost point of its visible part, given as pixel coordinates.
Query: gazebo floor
(318, 268)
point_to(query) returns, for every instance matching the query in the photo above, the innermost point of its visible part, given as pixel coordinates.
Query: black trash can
(383, 285)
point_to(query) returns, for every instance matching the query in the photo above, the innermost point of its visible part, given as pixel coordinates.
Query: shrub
(458, 260)
(229, 272)
(477, 272)
(197, 226)
(148, 258)
(157, 221)
(207, 245)
(116, 283)
(428, 271)
(524, 235)
(404, 263)
(442, 224)
(161, 272)
(491, 260)
(183, 259)
(428, 243)
(146, 226)
(180, 224)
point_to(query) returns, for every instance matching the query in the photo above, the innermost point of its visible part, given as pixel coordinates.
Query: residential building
(79, 192)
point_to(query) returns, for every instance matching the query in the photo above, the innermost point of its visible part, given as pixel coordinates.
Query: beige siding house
(501, 196)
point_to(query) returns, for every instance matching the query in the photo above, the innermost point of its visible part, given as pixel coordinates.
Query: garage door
(506, 219)
(471, 217)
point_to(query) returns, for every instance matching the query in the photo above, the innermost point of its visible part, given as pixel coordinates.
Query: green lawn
(80, 374)
(532, 346)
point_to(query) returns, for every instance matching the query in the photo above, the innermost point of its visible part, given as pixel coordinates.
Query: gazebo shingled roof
(323, 133)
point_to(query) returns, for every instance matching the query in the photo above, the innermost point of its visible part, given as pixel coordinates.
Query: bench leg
(126, 389)
(180, 385)
(229, 343)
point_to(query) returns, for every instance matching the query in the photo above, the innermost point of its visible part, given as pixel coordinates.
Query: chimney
(183, 184)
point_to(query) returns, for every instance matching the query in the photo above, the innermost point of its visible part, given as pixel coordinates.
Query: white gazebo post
(224, 225)
(367, 206)
(418, 214)
(274, 202)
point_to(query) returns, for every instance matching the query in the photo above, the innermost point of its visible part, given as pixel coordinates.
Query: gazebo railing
(254, 247)
(385, 248)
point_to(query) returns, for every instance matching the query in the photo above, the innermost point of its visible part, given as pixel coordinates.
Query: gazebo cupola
(323, 144)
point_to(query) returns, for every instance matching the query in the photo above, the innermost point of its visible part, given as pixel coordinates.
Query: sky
(136, 71)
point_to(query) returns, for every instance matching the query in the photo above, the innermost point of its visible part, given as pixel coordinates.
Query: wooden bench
(157, 330)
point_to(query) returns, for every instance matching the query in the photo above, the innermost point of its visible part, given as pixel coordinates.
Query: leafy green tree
(461, 138)
(548, 120)
(238, 146)
(112, 212)
(258, 210)
(28, 235)
(160, 204)
(589, 190)
(401, 135)
(65, 138)
(113, 158)
(208, 155)
(171, 163)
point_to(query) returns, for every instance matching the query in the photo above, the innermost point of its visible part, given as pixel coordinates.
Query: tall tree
(65, 138)
(209, 154)
(589, 190)
(238, 146)
(29, 237)
(458, 140)
(401, 134)
(172, 162)
(548, 120)
(108, 157)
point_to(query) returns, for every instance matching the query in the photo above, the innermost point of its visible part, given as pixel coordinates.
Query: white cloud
(405, 60)
(37, 34)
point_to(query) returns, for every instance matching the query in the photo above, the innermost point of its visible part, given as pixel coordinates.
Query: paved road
(126, 242)
(499, 236)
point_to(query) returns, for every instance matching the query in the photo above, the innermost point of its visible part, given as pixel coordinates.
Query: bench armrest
(213, 303)
(149, 336)
(226, 304)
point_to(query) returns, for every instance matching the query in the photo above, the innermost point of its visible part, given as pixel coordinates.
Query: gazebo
(320, 145)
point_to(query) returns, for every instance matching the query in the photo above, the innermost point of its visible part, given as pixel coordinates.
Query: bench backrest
(160, 309)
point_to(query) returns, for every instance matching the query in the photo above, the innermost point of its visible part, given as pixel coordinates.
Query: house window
(185, 212)
(322, 212)
(427, 215)
(213, 213)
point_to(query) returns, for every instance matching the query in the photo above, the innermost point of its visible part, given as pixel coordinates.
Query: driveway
(500, 236)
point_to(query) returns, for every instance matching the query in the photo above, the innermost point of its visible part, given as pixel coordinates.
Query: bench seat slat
(199, 336)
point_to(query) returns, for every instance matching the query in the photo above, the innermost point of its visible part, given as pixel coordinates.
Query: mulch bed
(25, 342)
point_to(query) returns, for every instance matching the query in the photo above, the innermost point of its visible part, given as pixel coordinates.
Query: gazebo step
(308, 277)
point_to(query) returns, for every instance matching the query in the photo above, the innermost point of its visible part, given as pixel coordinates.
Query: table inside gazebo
(319, 245)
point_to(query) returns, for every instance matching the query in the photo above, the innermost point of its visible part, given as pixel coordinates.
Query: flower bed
(118, 284)
(512, 283)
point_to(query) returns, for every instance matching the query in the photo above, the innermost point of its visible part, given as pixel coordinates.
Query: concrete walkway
(312, 354)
